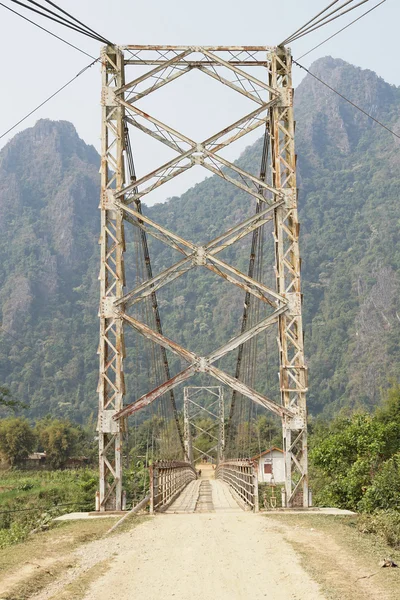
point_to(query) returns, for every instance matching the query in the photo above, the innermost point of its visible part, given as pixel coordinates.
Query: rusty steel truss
(120, 203)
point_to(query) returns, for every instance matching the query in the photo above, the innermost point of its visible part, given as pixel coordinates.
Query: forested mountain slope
(349, 188)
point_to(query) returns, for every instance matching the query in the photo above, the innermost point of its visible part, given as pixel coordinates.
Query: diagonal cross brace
(203, 365)
(206, 252)
(197, 152)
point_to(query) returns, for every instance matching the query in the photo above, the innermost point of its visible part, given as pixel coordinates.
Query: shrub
(384, 490)
(385, 523)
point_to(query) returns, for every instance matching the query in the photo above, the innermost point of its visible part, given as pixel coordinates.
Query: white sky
(35, 64)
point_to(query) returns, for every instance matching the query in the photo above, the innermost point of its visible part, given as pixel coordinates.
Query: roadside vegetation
(29, 500)
(355, 464)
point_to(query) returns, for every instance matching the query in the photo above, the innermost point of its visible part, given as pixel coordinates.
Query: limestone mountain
(349, 211)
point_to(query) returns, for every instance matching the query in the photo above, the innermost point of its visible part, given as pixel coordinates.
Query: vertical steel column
(221, 429)
(112, 281)
(293, 380)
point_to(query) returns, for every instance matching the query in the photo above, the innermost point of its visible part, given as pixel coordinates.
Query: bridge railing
(241, 476)
(167, 480)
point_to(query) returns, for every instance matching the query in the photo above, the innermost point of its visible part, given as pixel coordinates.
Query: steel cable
(309, 22)
(312, 28)
(47, 31)
(50, 97)
(60, 21)
(75, 19)
(342, 29)
(346, 99)
(242, 363)
(313, 24)
(83, 28)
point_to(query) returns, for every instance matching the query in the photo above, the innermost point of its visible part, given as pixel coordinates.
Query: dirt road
(206, 556)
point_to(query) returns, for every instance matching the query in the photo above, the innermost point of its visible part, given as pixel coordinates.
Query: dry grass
(342, 560)
(31, 565)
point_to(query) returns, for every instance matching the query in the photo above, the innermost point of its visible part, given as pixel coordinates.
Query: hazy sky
(38, 64)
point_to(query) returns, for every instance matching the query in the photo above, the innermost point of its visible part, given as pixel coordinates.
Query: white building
(271, 466)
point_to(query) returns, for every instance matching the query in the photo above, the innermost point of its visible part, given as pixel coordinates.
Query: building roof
(37, 455)
(267, 452)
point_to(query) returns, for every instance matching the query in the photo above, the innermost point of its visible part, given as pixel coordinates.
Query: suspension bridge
(135, 346)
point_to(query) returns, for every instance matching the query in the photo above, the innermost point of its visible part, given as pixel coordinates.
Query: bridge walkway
(206, 494)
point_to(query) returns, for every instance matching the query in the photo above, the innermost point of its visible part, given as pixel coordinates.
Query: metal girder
(272, 95)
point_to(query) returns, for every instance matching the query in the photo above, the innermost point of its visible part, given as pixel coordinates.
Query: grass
(28, 567)
(30, 499)
(344, 561)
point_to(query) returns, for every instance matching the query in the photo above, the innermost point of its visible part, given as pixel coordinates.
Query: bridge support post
(111, 347)
(187, 435)
(293, 372)
(221, 428)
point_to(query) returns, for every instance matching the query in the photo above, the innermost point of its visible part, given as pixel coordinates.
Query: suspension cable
(342, 29)
(153, 296)
(248, 297)
(325, 22)
(75, 19)
(309, 22)
(47, 30)
(62, 21)
(315, 23)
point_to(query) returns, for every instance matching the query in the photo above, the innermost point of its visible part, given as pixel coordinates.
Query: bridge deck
(205, 495)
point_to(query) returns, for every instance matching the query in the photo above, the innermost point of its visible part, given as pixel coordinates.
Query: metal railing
(167, 480)
(241, 476)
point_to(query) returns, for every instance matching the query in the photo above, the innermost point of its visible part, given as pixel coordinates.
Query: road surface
(206, 556)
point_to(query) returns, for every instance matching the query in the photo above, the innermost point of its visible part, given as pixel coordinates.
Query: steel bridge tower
(193, 406)
(129, 74)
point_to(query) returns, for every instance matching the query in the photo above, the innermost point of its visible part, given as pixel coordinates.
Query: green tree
(17, 439)
(345, 456)
(59, 439)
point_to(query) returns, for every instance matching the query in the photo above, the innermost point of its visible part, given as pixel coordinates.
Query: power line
(46, 30)
(312, 25)
(62, 21)
(343, 28)
(50, 97)
(346, 99)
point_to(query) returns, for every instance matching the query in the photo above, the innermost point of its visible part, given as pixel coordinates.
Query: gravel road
(205, 556)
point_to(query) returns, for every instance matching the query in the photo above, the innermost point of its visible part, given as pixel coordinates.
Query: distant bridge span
(176, 487)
